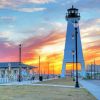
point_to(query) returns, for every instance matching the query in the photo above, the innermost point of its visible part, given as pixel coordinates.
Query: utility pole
(39, 67)
(94, 71)
(48, 70)
(91, 70)
(53, 71)
(19, 64)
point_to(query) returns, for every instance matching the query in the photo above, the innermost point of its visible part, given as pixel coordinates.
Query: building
(10, 70)
(93, 68)
(73, 48)
(93, 71)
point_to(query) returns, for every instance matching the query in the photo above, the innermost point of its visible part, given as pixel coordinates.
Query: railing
(92, 75)
(7, 80)
(4, 80)
(36, 77)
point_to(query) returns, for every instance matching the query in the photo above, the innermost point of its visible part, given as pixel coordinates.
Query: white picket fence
(13, 79)
(6, 80)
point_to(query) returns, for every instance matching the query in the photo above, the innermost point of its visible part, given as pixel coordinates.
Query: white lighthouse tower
(72, 16)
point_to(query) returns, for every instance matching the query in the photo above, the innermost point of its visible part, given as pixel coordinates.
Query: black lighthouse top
(72, 13)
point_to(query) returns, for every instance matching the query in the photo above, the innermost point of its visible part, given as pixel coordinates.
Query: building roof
(72, 8)
(14, 65)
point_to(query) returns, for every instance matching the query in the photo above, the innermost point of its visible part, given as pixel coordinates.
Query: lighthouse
(73, 17)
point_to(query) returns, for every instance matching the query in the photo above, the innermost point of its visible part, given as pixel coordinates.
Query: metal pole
(73, 68)
(48, 69)
(94, 70)
(40, 76)
(44, 72)
(39, 67)
(71, 71)
(20, 63)
(91, 71)
(77, 84)
(97, 72)
(53, 70)
(73, 65)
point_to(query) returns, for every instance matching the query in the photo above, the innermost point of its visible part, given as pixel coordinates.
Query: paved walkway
(94, 89)
(31, 83)
(24, 82)
(20, 83)
(95, 82)
(54, 85)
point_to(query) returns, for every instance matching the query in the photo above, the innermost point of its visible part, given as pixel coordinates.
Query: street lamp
(19, 77)
(73, 53)
(94, 70)
(9, 70)
(53, 70)
(40, 76)
(76, 47)
(91, 70)
(44, 72)
(39, 66)
(48, 70)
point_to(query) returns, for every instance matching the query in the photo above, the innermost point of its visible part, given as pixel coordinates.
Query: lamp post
(19, 77)
(44, 74)
(9, 70)
(94, 70)
(53, 70)
(48, 70)
(76, 47)
(73, 53)
(91, 70)
(39, 66)
(40, 76)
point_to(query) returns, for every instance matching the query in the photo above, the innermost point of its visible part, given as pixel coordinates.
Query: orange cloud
(48, 47)
(92, 53)
(51, 48)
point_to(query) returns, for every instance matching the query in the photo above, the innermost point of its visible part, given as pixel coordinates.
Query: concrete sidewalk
(24, 82)
(54, 85)
(20, 83)
(32, 83)
(94, 89)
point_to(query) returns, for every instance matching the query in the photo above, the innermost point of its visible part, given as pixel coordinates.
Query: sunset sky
(40, 26)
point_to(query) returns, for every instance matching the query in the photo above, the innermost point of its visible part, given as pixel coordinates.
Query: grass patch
(43, 93)
(63, 81)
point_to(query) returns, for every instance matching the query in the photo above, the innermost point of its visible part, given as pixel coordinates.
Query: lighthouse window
(72, 11)
(76, 12)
